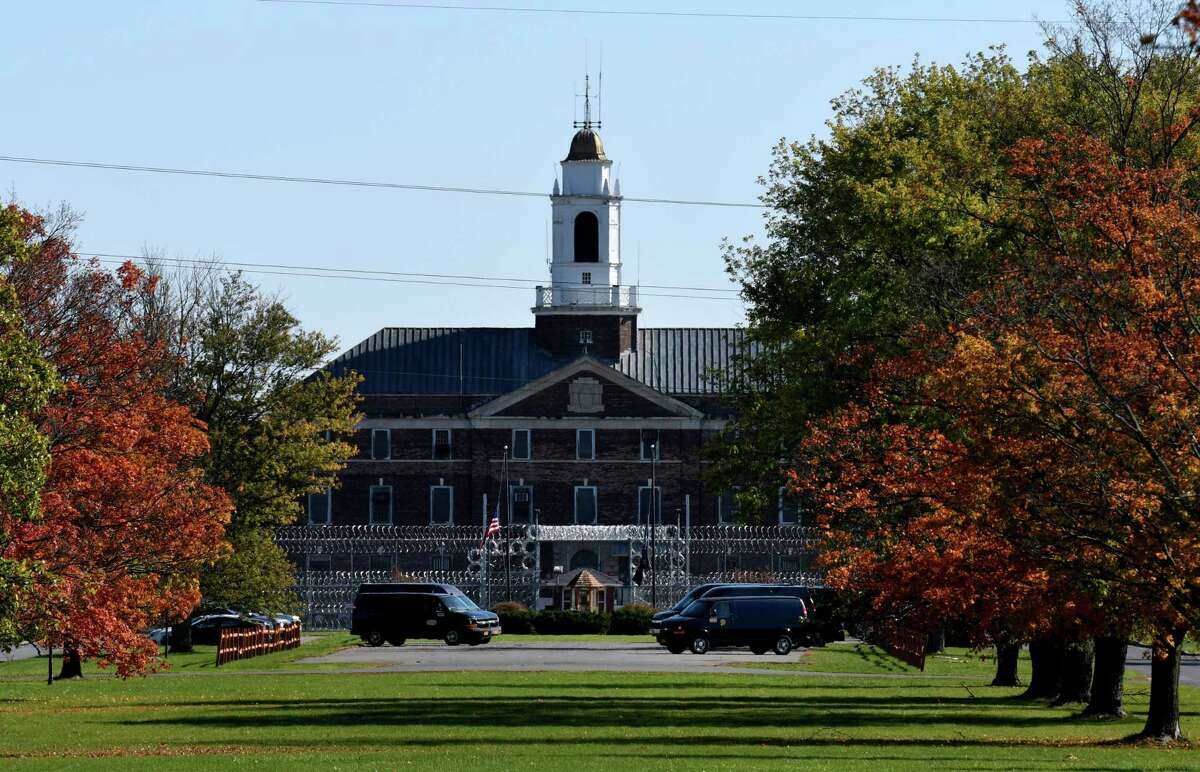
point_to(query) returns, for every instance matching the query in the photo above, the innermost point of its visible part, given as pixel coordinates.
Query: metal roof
(496, 360)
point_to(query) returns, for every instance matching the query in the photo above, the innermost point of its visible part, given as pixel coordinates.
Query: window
(439, 563)
(441, 505)
(650, 445)
(647, 509)
(585, 504)
(789, 507)
(318, 508)
(381, 443)
(381, 505)
(586, 277)
(585, 444)
(727, 507)
(587, 238)
(521, 444)
(521, 503)
(441, 444)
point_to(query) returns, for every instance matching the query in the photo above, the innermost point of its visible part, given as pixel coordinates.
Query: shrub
(631, 619)
(555, 622)
(515, 618)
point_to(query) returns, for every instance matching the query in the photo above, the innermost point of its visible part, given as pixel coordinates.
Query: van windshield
(697, 609)
(459, 603)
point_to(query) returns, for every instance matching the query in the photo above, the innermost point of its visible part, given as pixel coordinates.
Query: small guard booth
(584, 590)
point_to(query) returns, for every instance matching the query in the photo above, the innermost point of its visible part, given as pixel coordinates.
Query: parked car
(282, 619)
(397, 612)
(763, 623)
(206, 630)
(685, 601)
(744, 590)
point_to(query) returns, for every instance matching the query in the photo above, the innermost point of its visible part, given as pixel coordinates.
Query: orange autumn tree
(908, 514)
(1081, 362)
(127, 519)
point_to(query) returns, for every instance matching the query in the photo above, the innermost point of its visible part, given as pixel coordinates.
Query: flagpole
(653, 523)
(507, 529)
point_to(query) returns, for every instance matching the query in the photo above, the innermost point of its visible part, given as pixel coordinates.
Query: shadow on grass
(817, 712)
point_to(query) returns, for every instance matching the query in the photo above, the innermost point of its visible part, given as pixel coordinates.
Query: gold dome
(586, 146)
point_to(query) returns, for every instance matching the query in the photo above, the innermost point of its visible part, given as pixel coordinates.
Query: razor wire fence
(327, 596)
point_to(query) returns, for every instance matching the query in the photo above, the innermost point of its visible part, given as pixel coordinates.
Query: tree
(26, 382)
(127, 520)
(247, 370)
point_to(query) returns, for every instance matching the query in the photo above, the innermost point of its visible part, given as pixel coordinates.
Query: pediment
(586, 388)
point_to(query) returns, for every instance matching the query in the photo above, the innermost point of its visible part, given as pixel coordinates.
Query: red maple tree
(127, 517)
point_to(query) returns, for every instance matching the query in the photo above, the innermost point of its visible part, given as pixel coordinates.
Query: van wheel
(699, 645)
(452, 638)
(396, 641)
(759, 649)
(374, 638)
(783, 645)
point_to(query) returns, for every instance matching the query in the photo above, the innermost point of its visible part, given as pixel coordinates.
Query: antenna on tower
(587, 122)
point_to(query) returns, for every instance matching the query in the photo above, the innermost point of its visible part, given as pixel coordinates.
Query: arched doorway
(587, 238)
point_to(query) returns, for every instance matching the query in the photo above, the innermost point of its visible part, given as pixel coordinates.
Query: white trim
(450, 488)
(578, 432)
(528, 445)
(388, 444)
(449, 444)
(595, 367)
(595, 504)
(328, 507)
(657, 444)
(371, 505)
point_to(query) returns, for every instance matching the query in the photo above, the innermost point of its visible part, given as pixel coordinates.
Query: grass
(865, 658)
(201, 659)
(583, 721)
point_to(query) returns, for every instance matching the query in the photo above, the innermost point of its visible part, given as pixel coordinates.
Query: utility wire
(330, 275)
(645, 12)
(371, 272)
(349, 183)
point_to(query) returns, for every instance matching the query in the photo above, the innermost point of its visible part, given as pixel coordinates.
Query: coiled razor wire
(328, 595)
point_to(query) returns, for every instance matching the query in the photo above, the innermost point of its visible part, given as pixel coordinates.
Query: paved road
(574, 657)
(24, 651)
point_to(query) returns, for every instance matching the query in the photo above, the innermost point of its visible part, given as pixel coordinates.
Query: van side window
(721, 610)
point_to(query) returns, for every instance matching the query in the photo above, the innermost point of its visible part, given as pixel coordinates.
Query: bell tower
(586, 308)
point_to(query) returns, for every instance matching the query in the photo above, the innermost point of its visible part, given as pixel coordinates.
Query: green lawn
(865, 658)
(581, 721)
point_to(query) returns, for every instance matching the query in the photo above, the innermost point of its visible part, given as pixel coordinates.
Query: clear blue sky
(692, 109)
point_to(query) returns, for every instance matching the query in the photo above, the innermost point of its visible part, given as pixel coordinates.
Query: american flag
(492, 529)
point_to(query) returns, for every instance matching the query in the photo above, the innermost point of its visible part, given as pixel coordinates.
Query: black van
(685, 601)
(744, 590)
(762, 623)
(396, 612)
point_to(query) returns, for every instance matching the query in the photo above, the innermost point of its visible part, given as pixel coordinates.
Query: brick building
(583, 414)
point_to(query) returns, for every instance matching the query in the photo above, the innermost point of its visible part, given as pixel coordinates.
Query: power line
(329, 274)
(373, 271)
(644, 12)
(349, 183)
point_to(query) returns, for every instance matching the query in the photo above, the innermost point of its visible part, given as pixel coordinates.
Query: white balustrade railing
(615, 297)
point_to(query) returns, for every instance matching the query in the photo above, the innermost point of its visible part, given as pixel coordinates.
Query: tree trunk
(937, 641)
(1162, 723)
(1108, 678)
(1079, 659)
(1046, 655)
(72, 664)
(181, 637)
(1007, 656)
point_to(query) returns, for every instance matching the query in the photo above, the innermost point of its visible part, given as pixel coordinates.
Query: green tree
(26, 382)
(275, 421)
